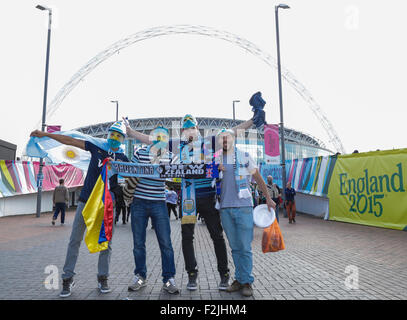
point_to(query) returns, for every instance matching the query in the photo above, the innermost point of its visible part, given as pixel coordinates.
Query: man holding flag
(95, 205)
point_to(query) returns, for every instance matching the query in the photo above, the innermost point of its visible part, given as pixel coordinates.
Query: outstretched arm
(60, 138)
(259, 116)
(243, 126)
(144, 138)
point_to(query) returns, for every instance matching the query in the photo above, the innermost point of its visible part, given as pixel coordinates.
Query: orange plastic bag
(272, 240)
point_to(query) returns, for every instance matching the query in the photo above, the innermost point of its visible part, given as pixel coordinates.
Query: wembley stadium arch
(203, 31)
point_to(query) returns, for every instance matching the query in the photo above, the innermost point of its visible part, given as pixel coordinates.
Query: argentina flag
(54, 152)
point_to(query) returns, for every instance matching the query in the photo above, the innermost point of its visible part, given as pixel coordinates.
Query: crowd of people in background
(288, 206)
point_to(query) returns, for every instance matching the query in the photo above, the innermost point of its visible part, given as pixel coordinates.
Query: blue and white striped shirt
(148, 188)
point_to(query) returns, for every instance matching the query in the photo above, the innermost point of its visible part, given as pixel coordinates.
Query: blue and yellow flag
(98, 214)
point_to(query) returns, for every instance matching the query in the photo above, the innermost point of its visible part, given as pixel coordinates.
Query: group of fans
(224, 203)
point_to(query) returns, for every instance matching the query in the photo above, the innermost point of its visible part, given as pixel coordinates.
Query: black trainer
(224, 281)
(192, 276)
(67, 285)
(102, 284)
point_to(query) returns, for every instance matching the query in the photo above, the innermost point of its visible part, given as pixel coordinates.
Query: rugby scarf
(240, 167)
(188, 201)
(188, 188)
(188, 185)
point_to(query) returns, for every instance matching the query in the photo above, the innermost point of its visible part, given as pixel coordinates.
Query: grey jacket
(60, 195)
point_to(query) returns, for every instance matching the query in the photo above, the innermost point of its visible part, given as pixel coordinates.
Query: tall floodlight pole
(280, 92)
(117, 108)
(44, 107)
(234, 101)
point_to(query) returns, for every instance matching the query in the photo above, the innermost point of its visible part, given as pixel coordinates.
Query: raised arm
(144, 138)
(259, 116)
(60, 138)
(243, 126)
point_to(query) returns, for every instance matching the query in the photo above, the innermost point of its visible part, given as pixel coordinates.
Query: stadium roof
(145, 125)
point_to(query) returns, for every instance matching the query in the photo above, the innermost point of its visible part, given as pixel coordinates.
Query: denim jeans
(141, 210)
(78, 230)
(238, 226)
(60, 206)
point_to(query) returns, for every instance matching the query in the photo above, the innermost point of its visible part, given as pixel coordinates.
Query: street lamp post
(44, 108)
(234, 101)
(117, 109)
(280, 92)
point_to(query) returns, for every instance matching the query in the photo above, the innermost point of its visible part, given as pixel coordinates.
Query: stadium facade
(298, 144)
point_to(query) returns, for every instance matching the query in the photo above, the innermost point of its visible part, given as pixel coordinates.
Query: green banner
(370, 189)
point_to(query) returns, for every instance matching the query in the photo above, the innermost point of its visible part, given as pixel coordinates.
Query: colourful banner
(309, 175)
(271, 144)
(20, 177)
(370, 189)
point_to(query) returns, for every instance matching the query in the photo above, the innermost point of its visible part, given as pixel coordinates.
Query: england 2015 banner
(370, 189)
(364, 188)
(271, 144)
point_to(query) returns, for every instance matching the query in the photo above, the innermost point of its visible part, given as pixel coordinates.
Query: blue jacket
(289, 194)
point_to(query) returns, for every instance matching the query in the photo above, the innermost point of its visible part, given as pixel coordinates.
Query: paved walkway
(313, 266)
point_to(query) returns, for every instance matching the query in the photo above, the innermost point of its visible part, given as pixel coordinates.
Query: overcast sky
(350, 55)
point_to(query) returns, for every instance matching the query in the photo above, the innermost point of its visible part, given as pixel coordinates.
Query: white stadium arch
(204, 31)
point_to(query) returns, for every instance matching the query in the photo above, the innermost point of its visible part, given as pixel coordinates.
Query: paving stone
(311, 267)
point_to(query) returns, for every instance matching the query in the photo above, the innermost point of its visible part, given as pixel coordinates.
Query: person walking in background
(290, 202)
(171, 198)
(179, 203)
(127, 204)
(274, 192)
(60, 199)
(120, 205)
